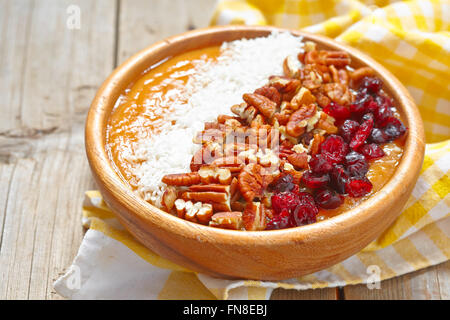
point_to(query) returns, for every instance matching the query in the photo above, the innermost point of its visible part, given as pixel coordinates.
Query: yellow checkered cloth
(412, 40)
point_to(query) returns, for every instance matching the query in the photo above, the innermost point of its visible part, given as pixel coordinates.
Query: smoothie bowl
(254, 152)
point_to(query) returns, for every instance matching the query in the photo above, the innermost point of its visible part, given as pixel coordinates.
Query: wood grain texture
(427, 284)
(48, 77)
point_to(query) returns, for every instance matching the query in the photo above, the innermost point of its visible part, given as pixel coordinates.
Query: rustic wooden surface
(48, 77)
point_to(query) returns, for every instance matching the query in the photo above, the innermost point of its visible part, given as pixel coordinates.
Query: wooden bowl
(265, 255)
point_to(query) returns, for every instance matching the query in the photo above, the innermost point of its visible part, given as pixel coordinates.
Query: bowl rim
(104, 173)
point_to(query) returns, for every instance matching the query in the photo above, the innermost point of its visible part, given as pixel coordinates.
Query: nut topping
(254, 216)
(227, 220)
(296, 124)
(181, 179)
(253, 180)
(262, 103)
(212, 174)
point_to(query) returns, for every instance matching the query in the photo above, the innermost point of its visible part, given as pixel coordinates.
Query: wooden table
(49, 73)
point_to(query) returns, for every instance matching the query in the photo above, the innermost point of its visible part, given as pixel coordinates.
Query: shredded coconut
(214, 87)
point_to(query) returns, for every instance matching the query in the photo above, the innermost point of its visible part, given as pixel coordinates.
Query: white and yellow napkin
(410, 38)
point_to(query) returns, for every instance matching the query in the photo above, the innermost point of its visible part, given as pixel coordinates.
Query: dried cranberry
(358, 187)
(338, 178)
(328, 199)
(313, 181)
(353, 157)
(306, 212)
(319, 164)
(367, 116)
(394, 128)
(361, 103)
(378, 136)
(284, 200)
(383, 113)
(284, 183)
(281, 221)
(361, 134)
(334, 148)
(337, 111)
(372, 151)
(372, 84)
(357, 108)
(381, 98)
(356, 164)
(372, 107)
(348, 129)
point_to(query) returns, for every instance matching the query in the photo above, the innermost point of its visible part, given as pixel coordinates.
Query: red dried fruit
(356, 164)
(383, 113)
(358, 107)
(313, 181)
(378, 136)
(334, 149)
(371, 107)
(337, 111)
(348, 129)
(328, 199)
(372, 151)
(394, 128)
(319, 164)
(338, 178)
(284, 200)
(358, 187)
(372, 84)
(281, 221)
(361, 134)
(284, 183)
(306, 212)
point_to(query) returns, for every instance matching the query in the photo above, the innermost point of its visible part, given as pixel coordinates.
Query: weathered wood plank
(49, 75)
(428, 284)
(143, 22)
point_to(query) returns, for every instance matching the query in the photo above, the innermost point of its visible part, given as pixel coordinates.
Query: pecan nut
(292, 66)
(298, 160)
(339, 59)
(270, 93)
(263, 104)
(168, 198)
(253, 180)
(217, 195)
(315, 143)
(304, 96)
(212, 174)
(245, 112)
(181, 179)
(284, 84)
(326, 123)
(227, 220)
(254, 217)
(195, 212)
(297, 121)
(338, 93)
